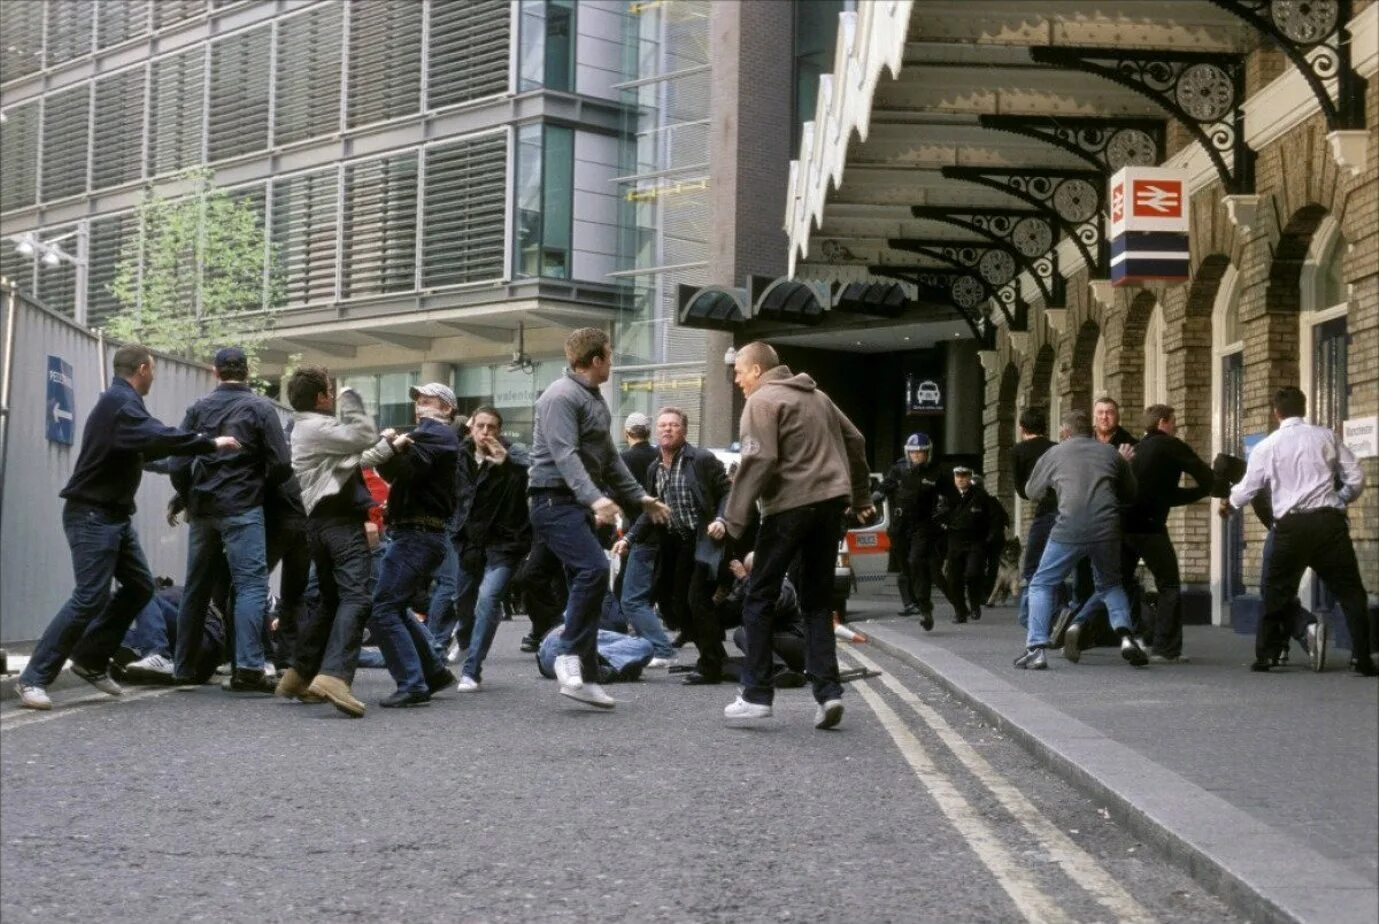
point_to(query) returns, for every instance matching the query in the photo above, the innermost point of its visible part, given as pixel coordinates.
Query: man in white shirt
(1301, 465)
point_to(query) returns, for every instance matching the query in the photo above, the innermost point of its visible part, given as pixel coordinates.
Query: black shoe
(1261, 665)
(401, 700)
(1131, 651)
(243, 680)
(440, 680)
(786, 679)
(696, 679)
(959, 619)
(680, 640)
(1365, 668)
(926, 621)
(908, 609)
(976, 613)
(1060, 626)
(530, 643)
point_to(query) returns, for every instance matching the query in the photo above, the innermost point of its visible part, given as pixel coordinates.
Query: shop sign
(1149, 225)
(1361, 436)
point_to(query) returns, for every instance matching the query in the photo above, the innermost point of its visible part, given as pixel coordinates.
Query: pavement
(1263, 786)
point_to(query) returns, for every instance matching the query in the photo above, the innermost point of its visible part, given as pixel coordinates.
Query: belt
(550, 492)
(428, 524)
(1310, 511)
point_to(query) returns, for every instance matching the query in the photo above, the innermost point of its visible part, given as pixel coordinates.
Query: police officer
(899, 485)
(966, 518)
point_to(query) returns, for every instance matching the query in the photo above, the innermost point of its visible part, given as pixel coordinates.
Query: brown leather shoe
(338, 692)
(291, 685)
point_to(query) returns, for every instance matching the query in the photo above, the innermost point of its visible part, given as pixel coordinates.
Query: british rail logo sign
(1149, 225)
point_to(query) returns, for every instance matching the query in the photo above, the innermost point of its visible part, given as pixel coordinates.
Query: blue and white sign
(61, 413)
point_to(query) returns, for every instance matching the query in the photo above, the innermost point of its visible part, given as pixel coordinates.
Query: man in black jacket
(694, 484)
(119, 437)
(902, 482)
(225, 512)
(966, 518)
(1034, 442)
(491, 532)
(1159, 463)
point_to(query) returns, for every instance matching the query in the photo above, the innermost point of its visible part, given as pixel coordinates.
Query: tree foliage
(194, 280)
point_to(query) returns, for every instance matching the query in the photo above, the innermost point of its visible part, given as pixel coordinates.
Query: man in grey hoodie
(1092, 481)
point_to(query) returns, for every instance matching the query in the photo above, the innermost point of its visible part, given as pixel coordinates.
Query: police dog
(1007, 574)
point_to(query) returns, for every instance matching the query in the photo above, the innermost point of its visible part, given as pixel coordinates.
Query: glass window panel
(558, 177)
(531, 62)
(560, 45)
(394, 404)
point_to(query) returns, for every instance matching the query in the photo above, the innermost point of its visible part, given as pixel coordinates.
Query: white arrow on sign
(60, 414)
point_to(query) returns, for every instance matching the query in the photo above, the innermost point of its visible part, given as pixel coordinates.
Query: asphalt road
(515, 804)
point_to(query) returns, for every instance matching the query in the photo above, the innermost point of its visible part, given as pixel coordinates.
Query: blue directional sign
(62, 406)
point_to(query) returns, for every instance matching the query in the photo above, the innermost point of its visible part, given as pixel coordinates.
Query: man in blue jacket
(119, 437)
(225, 511)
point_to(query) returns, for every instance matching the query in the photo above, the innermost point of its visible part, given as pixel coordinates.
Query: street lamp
(51, 255)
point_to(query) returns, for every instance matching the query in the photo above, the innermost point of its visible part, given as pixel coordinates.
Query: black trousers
(328, 639)
(966, 567)
(540, 579)
(288, 546)
(900, 546)
(689, 586)
(1320, 540)
(1165, 631)
(926, 568)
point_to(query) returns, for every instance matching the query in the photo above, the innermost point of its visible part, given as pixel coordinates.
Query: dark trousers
(926, 569)
(288, 546)
(328, 638)
(1320, 540)
(966, 567)
(90, 626)
(411, 560)
(566, 527)
(1165, 632)
(689, 584)
(540, 580)
(900, 547)
(812, 533)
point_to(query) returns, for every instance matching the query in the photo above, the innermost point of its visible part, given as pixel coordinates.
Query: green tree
(194, 279)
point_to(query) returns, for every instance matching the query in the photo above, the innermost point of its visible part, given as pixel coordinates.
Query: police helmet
(919, 442)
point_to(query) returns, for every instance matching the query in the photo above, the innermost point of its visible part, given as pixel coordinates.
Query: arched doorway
(1080, 374)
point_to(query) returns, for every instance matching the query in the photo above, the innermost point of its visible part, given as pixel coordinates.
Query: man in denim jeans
(575, 468)
(1093, 481)
(119, 437)
(225, 499)
(805, 462)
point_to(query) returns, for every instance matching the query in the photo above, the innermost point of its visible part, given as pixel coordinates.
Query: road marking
(1080, 866)
(21, 717)
(1032, 901)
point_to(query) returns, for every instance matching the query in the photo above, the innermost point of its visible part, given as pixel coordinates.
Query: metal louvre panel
(385, 60)
(69, 29)
(238, 122)
(466, 199)
(106, 245)
(167, 12)
(65, 133)
(121, 20)
(304, 227)
(256, 197)
(57, 285)
(117, 143)
(19, 157)
(308, 94)
(470, 44)
(17, 268)
(21, 45)
(380, 226)
(174, 124)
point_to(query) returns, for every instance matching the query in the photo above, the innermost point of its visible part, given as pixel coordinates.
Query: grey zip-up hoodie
(797, 449)
(1092, 482)
(326, 450)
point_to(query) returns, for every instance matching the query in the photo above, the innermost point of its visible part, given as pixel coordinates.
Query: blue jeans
(492, 583)
(1038, 538)
(1057, 561)
(240, 542)
(412, 557)
(152, 629)
(91, 624)
(442, 615)
(566, 527)
(638, 587)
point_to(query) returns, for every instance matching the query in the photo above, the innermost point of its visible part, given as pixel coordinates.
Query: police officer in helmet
(912, 487)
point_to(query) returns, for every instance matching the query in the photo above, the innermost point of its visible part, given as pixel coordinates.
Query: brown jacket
(797, 449)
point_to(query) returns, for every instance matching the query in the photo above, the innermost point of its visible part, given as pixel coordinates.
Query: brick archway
(1004, 487)
(1080, 373)
(1127, 384)
(1041, 378)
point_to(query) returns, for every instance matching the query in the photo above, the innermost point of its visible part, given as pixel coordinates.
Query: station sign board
(1149, 225)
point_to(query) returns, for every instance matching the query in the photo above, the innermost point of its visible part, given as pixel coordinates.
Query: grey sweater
(572, 446)
(1091, 481)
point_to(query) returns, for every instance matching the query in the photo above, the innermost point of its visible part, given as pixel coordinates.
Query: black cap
(230, 356)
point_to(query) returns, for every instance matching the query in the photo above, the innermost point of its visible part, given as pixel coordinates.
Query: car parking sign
(61, 404)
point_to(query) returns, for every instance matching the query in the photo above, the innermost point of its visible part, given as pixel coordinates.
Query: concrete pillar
(964, 398)
(438, 372)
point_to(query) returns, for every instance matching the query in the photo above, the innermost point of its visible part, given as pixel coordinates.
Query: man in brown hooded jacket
(806, 464)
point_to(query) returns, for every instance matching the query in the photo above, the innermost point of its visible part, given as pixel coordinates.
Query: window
(380, 226)
(308, 92)
(66, 128)
(119, 129)
(385, 60)
(19, 158)
(1323, 332)
(465, 211)
(547, 57)
(385, 396)
(121, 21)
(69, 29)
(108, 239)
(176, 100)
(304, 226)
(545, 196)
(469, 51)
(21, 43)
(238, 122)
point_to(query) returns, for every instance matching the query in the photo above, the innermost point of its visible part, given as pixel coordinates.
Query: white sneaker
(99, 679)
(454, 654)
(34, 697)
(590, 694)
(152, 664)
(656, 663)
(741, 710)
(569, 672)
(468, 684)
(829, 714)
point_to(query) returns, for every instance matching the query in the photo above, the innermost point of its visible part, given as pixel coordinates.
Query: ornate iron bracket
(1031, 237)
(1076, 198)
(993, 263)
(1314, 36)
(955, 287)
(1201, 90)
(1106, 144)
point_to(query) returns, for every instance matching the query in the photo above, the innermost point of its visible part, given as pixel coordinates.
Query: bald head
(752, 360)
